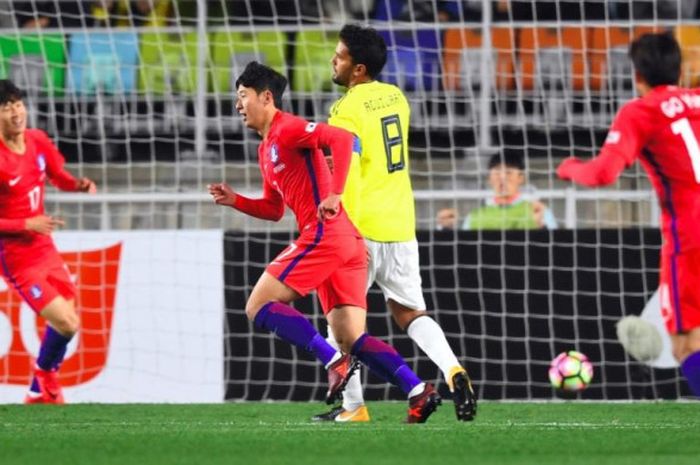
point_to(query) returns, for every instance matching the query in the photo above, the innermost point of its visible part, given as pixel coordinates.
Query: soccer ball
(570, 371)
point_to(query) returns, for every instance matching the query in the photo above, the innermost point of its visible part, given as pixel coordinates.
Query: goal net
(140, 98)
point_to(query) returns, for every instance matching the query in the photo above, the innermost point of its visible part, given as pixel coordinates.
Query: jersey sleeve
(302, 134)
(622, 146)
(269, 207)
(55, 162)
(8, 225)
(550, 222)
(342, 117)
(627, 134)
(467, 223)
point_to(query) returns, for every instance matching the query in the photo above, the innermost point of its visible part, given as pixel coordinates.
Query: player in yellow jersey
(379, 199)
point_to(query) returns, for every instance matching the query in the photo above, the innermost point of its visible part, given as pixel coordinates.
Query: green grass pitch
(281, 433)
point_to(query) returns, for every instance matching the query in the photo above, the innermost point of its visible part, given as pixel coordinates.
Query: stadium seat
(688, 37)
(553, 57)
(102, 62)
(231, 51)
(168, 63)
(312, 57)
(36, 63)
(387, 10)
(462, 53)
(457, 43)
(608, 42)
(413, 59)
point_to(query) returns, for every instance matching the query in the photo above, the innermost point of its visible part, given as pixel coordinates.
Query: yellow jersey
(378, 195)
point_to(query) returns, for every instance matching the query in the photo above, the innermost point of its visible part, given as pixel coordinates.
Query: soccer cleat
(50, 389)
(339, 414)
(33, 398)
(329, 415)
(421, 406)
(463, 396)
(338, 375)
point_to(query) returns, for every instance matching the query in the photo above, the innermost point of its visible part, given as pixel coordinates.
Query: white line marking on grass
(313, 427)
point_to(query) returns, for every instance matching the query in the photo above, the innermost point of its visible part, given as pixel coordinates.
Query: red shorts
(38, 282)
(679, 291)
(335, 266)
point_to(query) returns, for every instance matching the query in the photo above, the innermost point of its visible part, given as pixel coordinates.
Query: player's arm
(622, 146)
(600, 171)
(269, 207)
(42, 224)
(343, 117)
(339, 142)
(57, 173)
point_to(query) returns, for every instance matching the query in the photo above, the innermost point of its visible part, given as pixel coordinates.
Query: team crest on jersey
(41, 162)
(310, 127)
(613, 137)
(274, 154)
(35, 291)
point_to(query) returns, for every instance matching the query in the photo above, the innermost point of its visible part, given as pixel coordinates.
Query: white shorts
(395, 267)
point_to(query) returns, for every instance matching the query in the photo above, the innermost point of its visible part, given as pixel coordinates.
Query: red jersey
(22, 179)
(662, 129)
(296, 173)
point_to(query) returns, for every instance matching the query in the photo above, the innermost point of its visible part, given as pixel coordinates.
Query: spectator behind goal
(508, 208)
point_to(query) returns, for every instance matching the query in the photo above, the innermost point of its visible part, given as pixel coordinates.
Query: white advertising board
(151, 306)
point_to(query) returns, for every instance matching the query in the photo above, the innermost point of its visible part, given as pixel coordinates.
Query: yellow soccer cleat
(339, 414)
(463, 394)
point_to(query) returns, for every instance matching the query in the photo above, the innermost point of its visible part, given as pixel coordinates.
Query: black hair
(509, 159)
(261, 78)
(9, 92)
(657, 58)
(366, 47)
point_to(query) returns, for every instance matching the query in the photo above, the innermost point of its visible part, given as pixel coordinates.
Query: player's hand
(43, 224)
(87, 185)
(564, 171)
(538, 209)
(222, 194)
(329, 207)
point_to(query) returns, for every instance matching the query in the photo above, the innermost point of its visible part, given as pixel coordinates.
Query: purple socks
(691, 370)
(51, 353)
(384, 361)
(53, 349)
(293, 327)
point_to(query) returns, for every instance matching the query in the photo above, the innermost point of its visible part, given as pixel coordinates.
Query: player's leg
(344, 293)
(686, 349)
(50, 292)
(429, 336)
(268, 308)
(680, 306)
(399, 278)
(63, 324)
(348, 323)
(353, 408)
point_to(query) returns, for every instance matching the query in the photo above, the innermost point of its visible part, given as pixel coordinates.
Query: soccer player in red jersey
(661, 128)
(29, 261)
(329, 255)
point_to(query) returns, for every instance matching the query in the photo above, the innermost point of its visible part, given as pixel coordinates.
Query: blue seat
(102, 61)
(413, 61)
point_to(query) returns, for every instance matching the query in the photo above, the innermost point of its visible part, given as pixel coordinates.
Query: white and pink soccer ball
(570, 371)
